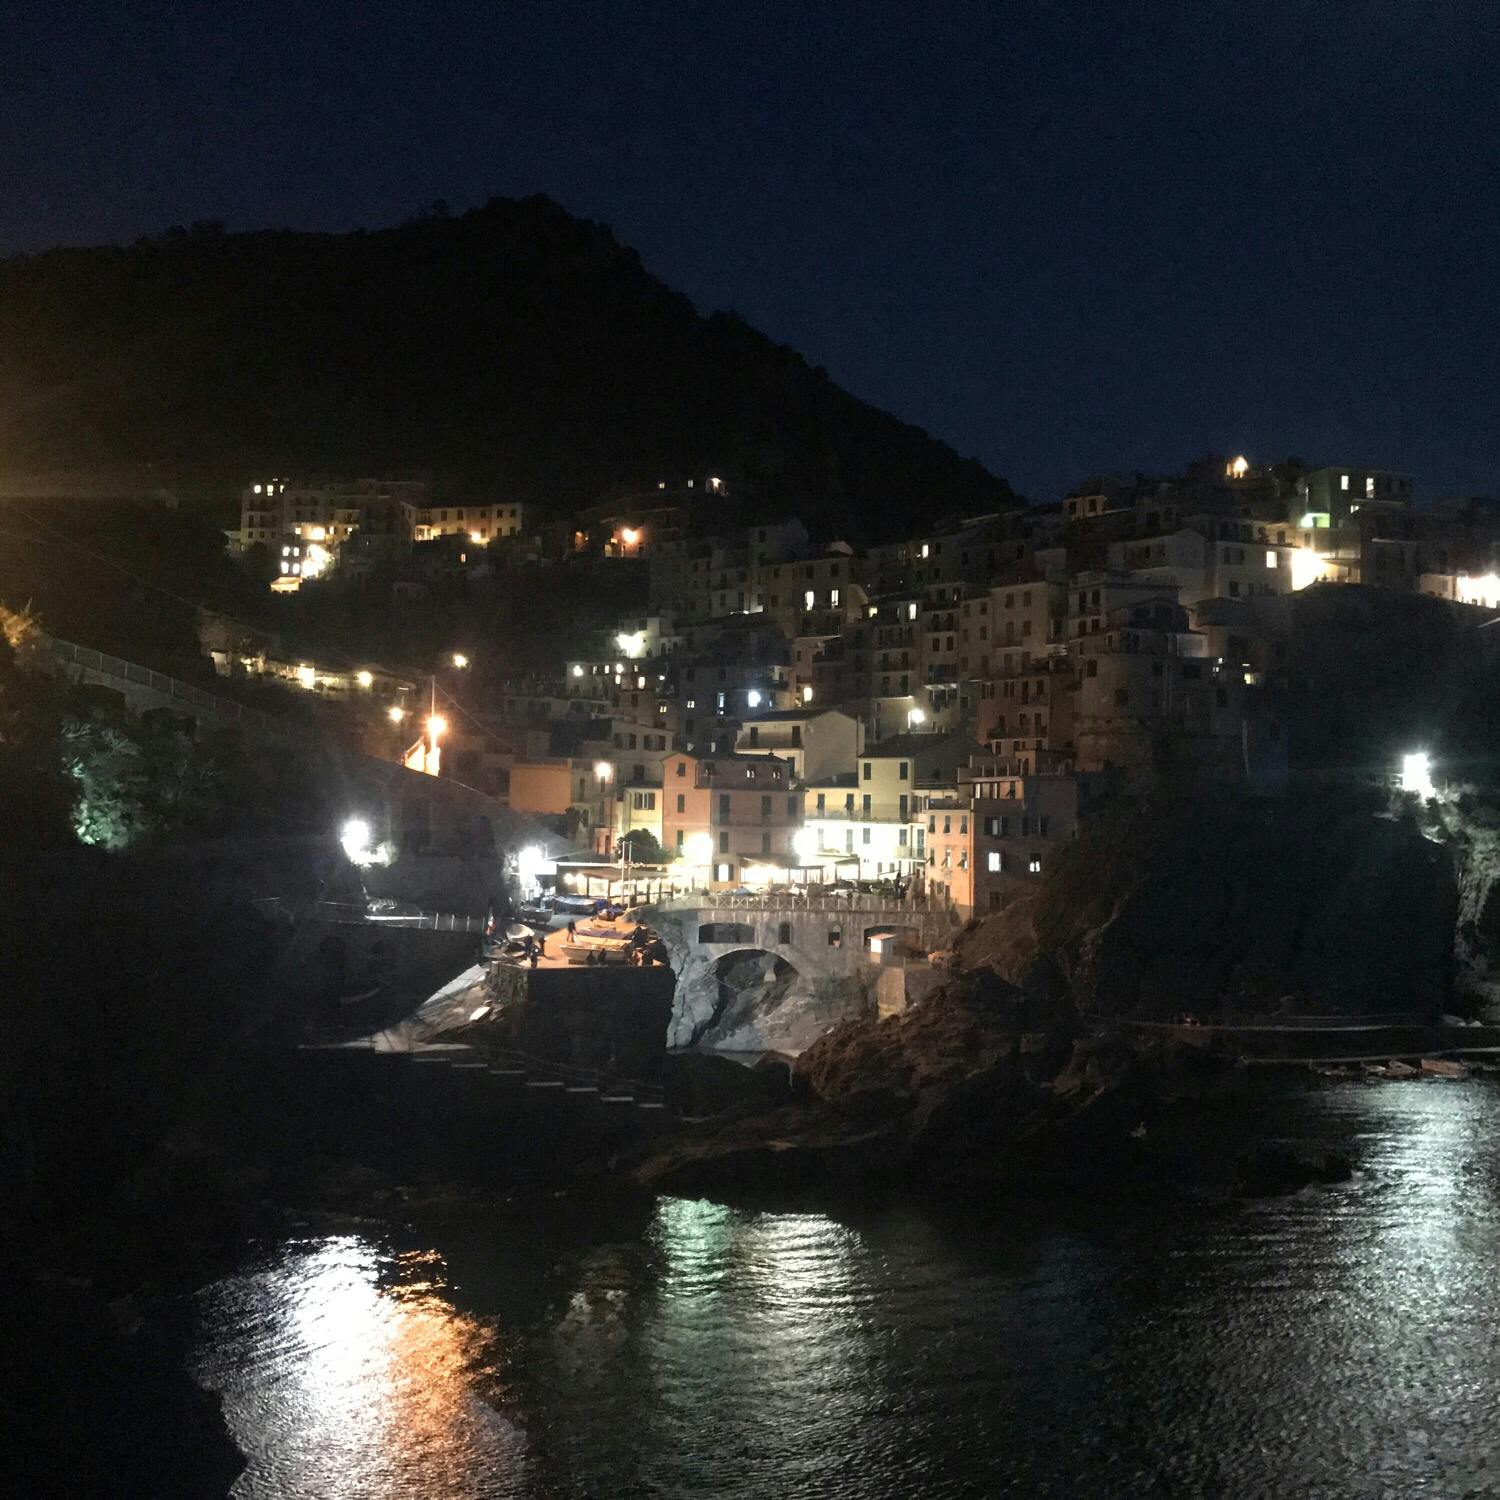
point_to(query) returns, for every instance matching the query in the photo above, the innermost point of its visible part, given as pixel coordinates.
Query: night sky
(1065, 238)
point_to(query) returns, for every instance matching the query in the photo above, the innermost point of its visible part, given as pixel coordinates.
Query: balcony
(877, 812)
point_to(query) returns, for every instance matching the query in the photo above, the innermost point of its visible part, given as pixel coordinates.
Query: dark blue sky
(1064, 237)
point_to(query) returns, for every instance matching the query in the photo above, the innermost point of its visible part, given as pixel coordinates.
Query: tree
(641, 845)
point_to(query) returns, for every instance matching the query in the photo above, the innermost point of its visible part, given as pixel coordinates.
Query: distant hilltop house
(307, 524)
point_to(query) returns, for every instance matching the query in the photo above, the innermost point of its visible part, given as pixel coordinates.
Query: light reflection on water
(344, 1371)
(1336, 1343)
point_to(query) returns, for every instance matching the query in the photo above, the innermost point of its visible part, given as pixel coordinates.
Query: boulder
(1270, 1171)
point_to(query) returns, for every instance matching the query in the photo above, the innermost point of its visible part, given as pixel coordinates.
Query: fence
(809, 899)
(225, 709)
(427, 921)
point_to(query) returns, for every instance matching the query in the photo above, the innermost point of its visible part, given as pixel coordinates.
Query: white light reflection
(343, 1372)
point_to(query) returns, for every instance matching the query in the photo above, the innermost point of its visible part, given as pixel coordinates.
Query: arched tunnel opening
(750, 985)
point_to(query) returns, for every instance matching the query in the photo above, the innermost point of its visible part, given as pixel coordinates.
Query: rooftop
(904, 744)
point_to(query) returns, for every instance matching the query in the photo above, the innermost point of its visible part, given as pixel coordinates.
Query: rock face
(1321, 903)
(607, 1020)
(981, 1083)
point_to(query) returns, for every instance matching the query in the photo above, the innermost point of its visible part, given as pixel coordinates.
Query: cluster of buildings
(941, 711)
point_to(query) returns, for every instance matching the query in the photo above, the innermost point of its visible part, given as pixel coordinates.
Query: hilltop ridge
(513, 350)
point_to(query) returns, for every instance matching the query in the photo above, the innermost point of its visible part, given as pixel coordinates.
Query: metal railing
(426, 921)
(811, 899)
(877, 812)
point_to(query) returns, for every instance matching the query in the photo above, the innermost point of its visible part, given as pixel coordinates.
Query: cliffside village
(938, 712)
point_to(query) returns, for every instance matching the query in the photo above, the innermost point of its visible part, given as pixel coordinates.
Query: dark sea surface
(1344, 1341)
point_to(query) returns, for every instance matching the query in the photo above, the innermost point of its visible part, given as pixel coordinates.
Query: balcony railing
(877, 812)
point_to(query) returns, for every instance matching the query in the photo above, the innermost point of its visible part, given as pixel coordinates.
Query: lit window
(1370, 487)
(926, 550)
(1035, 865)
(992, 861)
(1270, 558)
(808, 599)
(1343, 481)
(833, 596)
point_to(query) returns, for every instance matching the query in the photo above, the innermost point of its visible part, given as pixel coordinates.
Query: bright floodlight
(460, 660)
(437, 726)
(577, 669)
(475, 537)
(805, 843)
(916, 716)
(753, 698)
(630, 536)
(1416, 773)
(395, 713)
(603, 770)
(364, 679)
(355, 837)
(698, 849)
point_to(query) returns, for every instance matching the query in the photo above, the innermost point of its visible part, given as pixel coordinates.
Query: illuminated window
(1270, 558)
(1370, 487)
(993, 861)
(1343, 481)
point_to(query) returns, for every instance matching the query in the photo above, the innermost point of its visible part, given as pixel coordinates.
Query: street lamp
(364, 679)
(395, 713)
(1416, 774)
(603, 770)
(914, 717)
(460, 660)
(355, 837)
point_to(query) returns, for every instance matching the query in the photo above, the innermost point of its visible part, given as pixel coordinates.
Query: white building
(817, 743)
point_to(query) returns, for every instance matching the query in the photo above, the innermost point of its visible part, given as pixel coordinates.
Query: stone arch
(751, 984)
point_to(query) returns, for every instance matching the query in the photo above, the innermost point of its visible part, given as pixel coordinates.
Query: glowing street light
(460, 660)
(630, 536)
(698, 849)
(395, 713)
(915, 717)
(805, 845)
(753, 697)
(355, 837)
(1416, 774)
(437, 727)
(603, 770)
(365, 679)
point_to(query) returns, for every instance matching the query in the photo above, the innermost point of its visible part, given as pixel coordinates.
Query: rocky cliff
(1329, 902)
(979, 1084)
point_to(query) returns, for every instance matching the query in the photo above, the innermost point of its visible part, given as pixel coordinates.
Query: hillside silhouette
(514, 351)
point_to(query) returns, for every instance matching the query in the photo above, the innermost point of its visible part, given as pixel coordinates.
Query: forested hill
(512, 351)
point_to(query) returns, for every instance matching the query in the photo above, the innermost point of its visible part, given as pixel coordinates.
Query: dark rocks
(1223, 904)
(1271, 1171)
(699, 1083)
(957, 1091)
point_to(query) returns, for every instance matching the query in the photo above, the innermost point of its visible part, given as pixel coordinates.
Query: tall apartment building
(731, 815)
